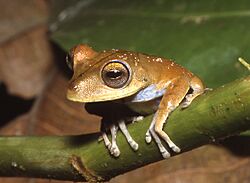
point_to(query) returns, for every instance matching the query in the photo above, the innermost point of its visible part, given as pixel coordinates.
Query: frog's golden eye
(115, 74)
(69, 60)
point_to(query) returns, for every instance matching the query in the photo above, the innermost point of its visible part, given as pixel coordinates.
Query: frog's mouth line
(78, 97)
(140, 95)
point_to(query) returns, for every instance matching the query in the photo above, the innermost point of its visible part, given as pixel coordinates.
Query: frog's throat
(149, 93)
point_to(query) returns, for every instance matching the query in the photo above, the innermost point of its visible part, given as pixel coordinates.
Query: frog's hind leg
(170, 100)
(198, 88)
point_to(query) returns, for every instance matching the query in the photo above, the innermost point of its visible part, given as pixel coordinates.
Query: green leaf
(207, 37)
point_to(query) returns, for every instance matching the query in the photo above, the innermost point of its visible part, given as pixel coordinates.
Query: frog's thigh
(171, 99)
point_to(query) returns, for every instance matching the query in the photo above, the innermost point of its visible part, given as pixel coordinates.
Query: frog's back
(164, 68)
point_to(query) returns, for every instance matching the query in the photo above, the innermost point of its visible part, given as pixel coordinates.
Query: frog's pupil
(114, 74)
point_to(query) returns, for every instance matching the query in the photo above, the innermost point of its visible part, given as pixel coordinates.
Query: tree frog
(145, 83)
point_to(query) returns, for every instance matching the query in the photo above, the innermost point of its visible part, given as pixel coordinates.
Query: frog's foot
(166, 138)
(112, 146)
(187, 101)
(126, 133)
(135, 118)
(106, 140)
(197, 90)
(152, 132)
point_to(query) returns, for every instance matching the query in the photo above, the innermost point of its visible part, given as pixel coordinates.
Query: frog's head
(104, 76)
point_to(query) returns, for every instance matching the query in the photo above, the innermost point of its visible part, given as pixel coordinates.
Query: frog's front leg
(114, 150)
(126, 133)
(112, 146)
(170, 100)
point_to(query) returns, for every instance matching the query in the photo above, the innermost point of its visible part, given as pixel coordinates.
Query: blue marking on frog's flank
(148, 94)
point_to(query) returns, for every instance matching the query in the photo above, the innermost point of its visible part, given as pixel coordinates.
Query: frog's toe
(165, 154)
(106, 140)
(176, 149)
(126, 133)
(148, 136)
(187, 101)
(114, 150)
(137, 118)
(185, 104)
(167, 139)
(134, 145)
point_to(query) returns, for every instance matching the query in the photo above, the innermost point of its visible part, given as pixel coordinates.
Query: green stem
(215, 115)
